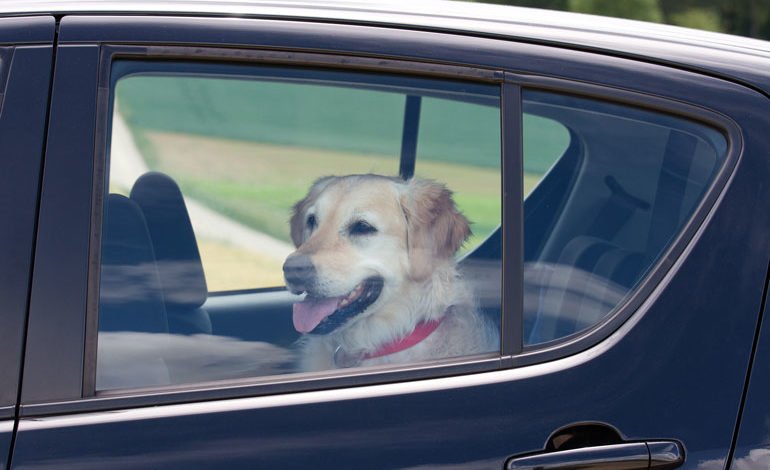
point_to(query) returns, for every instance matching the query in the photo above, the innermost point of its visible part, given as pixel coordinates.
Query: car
(615, 174)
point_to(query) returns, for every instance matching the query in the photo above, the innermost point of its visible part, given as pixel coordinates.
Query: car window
(259, 218)
(625, 184)
(545, 141)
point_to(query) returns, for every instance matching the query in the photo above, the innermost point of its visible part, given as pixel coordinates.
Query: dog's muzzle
(299, 273)
(317, 314)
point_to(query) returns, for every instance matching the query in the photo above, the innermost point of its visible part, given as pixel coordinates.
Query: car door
(751, 445)
(627, 285)
(25, 67)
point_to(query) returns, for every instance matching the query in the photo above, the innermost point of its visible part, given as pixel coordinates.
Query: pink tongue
(309, 313)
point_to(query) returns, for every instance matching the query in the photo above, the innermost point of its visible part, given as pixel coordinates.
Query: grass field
(256, 184)
(229, 267)
(336, 118)
(250, 149)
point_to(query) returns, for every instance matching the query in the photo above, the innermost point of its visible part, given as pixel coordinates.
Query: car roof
(741, 59)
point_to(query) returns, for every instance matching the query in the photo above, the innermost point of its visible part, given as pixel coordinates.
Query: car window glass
(227, 182)
(626, 183)
(545, 141)
(459, 145)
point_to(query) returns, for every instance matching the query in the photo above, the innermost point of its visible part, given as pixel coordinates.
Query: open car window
(227, 181)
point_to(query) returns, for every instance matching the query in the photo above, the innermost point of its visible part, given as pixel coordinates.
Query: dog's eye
(311, 222)
(361, 227)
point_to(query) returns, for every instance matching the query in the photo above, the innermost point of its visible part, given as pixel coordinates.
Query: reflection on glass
(132, 359)
(624, 185)
(206, 164)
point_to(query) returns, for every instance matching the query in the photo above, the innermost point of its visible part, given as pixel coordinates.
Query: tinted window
(220, 191)
(626, 183)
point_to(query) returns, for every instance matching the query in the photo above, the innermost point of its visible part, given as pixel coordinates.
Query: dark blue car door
(26, 49)
(662, 377)
(751, 449)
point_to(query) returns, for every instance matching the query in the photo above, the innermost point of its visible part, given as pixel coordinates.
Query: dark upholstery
(130, 295)
(176, 252)
(132, 317)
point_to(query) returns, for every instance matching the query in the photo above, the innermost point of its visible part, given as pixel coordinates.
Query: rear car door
(26, 49)
(626, 293)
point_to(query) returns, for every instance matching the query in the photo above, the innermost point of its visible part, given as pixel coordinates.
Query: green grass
(545, 140)
(332, 118)
(264, 208)
(257, 184)
(337, 118)
(232, 268)
(250, 149)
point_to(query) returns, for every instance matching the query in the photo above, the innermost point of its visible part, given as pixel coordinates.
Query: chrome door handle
(651, 455)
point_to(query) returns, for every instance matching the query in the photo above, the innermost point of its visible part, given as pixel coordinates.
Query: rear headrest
(130, 298)
(176, 251)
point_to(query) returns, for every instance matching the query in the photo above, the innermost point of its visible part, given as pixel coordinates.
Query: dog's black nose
(299, 272)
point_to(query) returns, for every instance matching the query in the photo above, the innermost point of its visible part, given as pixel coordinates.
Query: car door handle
(652, 455)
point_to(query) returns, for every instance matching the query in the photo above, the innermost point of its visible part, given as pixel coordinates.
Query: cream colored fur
(418, 231)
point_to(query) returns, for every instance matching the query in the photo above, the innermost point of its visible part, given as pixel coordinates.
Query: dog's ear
(297, 221)
(435, 228)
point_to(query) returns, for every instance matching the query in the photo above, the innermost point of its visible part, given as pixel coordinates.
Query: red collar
(420, 332)
(344, 359)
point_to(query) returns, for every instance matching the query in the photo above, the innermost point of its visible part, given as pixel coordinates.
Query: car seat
(131, 307)
(177, 256)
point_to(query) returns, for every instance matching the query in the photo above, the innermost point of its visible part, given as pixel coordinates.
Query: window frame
(510, 209)
(653, 282)
(412, 112)
(513, 352)
(55, 386)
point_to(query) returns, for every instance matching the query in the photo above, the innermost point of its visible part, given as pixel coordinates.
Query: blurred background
(740, 17)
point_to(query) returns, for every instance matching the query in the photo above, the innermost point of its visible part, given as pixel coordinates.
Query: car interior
(603, 215)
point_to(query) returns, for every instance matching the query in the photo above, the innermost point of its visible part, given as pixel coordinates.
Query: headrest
(130, 298)
(176, 251)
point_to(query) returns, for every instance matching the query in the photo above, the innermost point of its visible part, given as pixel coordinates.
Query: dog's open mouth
(322, 315)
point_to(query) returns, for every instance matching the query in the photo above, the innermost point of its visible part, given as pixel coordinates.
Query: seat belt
(620, 206)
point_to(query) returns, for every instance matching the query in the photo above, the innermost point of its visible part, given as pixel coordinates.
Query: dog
(375, 259)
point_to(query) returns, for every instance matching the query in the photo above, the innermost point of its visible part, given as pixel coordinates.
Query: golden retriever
(375, 258)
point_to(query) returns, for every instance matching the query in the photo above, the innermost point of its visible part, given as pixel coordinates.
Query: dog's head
(360, 238)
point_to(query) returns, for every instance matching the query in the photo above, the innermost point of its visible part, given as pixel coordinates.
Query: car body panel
(27, 30)
(638, 380)
(7, 429)
(730, 56)
(63, 240)
(352, 40)
(25, 65)
(25, 81)
(752, 449)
